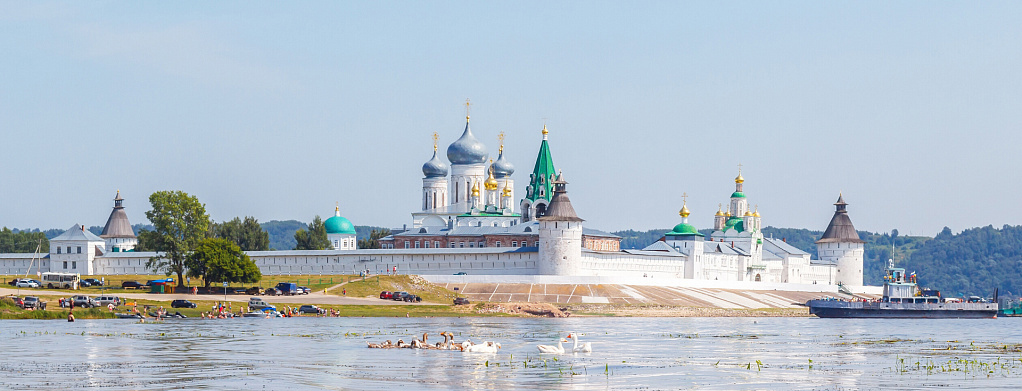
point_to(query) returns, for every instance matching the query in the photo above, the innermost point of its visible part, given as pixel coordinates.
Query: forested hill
(973, 262)
(877, 249)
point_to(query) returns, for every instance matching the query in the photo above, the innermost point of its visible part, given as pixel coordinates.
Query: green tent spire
(543, 174)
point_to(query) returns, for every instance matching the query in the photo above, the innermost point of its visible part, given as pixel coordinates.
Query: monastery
(469, 223)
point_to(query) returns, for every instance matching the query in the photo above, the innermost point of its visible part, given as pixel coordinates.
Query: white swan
(485, 347)
(585, 348)
(559, 349)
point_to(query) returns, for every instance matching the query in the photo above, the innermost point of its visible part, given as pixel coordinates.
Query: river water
(629, 353)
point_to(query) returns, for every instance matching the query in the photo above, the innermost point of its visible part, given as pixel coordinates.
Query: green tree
(313, 239)
(23, 241)
(180, 222)
(373, 241)
(217, 260)
(247, 234)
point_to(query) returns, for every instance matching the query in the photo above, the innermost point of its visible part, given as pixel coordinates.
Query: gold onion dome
(507, 191)
(727, 214)
(491, 182)
(748, 214)
(475, 190)
(684, 211)
(719, 213)
(756, 213)
(739, 178)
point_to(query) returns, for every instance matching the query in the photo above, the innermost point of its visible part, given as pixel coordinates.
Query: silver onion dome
(434, 168)
(467, 150)
(502, 168)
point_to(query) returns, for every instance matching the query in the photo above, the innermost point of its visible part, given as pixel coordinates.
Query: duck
(559, 349)
(585, 348)
(401, 344)
(485, 347)
(374, 345)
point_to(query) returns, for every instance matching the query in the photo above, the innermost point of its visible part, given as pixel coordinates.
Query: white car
(27, 284)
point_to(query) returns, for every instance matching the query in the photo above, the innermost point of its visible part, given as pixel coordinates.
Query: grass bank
(372, 286)
(9, 310)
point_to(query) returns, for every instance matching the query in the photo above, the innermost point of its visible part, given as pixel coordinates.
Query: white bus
(61, 280)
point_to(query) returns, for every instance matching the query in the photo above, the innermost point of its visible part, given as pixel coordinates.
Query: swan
(460, 346)
(585, 348)
(486, 347)
(559, 349)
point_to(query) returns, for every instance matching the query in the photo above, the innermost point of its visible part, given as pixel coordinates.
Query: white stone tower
(560, 235)
(841, 246)
(434, 182)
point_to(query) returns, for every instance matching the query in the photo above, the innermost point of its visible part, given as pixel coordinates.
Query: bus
(61, 280)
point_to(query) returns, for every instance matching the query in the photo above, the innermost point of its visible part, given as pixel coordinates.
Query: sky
(281, 110)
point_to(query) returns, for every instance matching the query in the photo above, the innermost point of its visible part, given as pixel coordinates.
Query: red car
(386, 295)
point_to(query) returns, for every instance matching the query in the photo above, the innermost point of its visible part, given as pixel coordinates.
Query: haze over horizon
(279, 111)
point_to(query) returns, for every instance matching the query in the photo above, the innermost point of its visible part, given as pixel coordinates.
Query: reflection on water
(629, 353)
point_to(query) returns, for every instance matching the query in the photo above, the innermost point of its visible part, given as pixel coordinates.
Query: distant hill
(877, 248)
(974, 262)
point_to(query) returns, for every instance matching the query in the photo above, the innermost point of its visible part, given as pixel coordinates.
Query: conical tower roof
(840, 228)
(560, 208)
(117, 225)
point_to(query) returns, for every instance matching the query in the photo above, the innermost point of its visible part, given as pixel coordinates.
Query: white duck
(585, 348)
(559, 349)
(485, 347)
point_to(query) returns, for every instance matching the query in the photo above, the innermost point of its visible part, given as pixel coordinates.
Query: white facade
(342, 241)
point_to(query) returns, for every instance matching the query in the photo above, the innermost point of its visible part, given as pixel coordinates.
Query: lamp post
(225, 290)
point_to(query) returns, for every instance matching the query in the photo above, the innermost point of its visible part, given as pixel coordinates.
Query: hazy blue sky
(279, 110)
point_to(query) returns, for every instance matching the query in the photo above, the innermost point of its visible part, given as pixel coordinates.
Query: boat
(1012, 308)
(903, 298)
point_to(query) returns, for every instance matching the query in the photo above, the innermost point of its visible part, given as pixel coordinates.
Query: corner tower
(841, 246)
(117, 233)
(560, 235)
(539, 193)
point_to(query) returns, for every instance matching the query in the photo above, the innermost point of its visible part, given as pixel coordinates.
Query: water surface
(629, 353)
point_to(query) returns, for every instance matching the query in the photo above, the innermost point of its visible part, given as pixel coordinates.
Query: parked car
(149, 282)
(182, 304)
(413, 298)
(287, 288)
(461, 274)
(398, 296)
(271, 292)
(460, 301)
(132, 285)
(83, 301)
(310, 309)
(386, 294)
(84, 284)
(104, 301)
(93, 281)
(256, 303)
(18, 301)
(33, 302)
(27, 284)
(304, 290)
(254, 291)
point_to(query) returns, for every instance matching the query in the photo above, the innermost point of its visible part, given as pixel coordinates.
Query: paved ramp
(633, 294)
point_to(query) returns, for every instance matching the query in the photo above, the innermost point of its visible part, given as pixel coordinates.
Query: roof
(467, 149)
(77, 232)
(396, 251)
(738, 194)
(117, 225)
(840, 228)
(596, 232)
(655, 253)
(781, 246)
(684, 229)
(560, 208)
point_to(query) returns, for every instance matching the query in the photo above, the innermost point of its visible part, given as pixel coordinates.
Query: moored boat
(902, 298)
